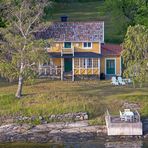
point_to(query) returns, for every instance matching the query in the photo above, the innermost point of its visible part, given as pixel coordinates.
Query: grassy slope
(53, 97)
(91, 11)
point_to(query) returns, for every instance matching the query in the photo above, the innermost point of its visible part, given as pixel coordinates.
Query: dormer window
(67, 44)
(87, 45)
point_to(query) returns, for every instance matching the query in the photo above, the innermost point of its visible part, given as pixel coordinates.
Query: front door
(110, 66)
(68, 64)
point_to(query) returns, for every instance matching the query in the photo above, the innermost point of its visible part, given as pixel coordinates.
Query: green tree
(135, 11)
(20, 52)
(135, 53)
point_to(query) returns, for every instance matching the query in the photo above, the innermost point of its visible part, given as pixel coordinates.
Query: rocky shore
(52, 132)
(55, 132)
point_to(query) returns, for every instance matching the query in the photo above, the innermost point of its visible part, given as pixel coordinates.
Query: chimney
(64, 18)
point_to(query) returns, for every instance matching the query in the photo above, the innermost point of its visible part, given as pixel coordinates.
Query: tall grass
(56, 97)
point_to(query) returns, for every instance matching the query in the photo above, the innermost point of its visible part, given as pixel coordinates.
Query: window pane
(82, 63)
(67, 45)
(89, 44)
(89, 63)
(85, 44)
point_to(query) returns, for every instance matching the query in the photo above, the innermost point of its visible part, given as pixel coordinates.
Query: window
(82, 63)
(87, 45)
(86, 63)
(89, 63)
(67, 45)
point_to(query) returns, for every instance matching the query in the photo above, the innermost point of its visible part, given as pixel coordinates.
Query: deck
(115, 126)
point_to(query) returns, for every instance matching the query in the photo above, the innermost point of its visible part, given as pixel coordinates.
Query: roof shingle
(73, 32)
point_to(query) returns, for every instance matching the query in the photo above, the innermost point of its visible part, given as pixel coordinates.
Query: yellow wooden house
(78, 51)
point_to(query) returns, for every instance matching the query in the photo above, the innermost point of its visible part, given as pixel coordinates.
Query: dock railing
(116, 126)
(107, 117)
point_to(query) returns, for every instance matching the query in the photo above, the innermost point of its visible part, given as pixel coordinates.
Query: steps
(68, 75)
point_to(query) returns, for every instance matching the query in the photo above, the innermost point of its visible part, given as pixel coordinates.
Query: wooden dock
(115, 126)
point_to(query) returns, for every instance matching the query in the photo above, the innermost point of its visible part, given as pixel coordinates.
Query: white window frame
(87, 44)
(106, 67)
(89, 63)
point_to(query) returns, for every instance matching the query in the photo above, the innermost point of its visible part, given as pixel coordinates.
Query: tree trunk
(19, 89)
(20, 83)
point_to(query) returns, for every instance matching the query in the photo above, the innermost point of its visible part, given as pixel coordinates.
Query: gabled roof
(73, 32)
(111, 49)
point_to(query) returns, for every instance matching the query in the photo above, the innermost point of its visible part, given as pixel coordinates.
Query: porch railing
(49, 70)
(67, 51)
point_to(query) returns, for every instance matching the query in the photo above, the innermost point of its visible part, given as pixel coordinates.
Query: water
(90, 144)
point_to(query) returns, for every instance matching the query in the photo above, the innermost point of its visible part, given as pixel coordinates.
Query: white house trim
(73, 69)
(103, 33)
(105, 65)
(87, 47)
(99, 66)
(120, 65)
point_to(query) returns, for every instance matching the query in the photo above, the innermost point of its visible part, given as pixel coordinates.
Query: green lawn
(115, 23)
(53, 97)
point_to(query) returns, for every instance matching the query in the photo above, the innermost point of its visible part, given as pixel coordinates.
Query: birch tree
(20, 52)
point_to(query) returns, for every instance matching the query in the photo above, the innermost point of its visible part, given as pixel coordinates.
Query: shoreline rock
(56, 132)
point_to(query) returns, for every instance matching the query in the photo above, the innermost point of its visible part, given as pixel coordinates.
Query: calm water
(91, 144)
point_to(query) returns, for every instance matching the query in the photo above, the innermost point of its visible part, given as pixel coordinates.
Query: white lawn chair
(114, 81)
(122, 116)
(127, 110)
(120, 80)
(129, 81)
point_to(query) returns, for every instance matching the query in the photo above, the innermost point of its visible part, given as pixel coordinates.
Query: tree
(135, 53)
(136, 11)
(20, 52)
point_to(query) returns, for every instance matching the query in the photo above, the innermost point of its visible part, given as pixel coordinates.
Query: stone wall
(55, 118)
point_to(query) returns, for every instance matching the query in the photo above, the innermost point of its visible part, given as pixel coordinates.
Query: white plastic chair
(129, 81)
(120, 80)
(127, 110)
(122, 116)
(114, 81)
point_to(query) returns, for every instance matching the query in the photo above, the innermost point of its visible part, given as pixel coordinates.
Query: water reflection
(92, 144)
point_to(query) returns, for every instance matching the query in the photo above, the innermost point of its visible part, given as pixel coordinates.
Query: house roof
(111, 49)
(76, 55)
(73, 32)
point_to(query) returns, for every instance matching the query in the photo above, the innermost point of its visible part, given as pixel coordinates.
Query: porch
(63, 68)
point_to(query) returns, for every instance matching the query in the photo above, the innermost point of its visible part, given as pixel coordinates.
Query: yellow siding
(102, 65)
(95, 47)
(56, 47)
(57, 61)
(78, 46)
(118, 66)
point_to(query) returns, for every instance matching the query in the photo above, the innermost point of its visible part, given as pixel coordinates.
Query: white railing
(49, 70)
(67, 51)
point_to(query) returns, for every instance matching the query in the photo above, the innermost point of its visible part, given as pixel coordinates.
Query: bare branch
(20, 26)
(31, 23)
